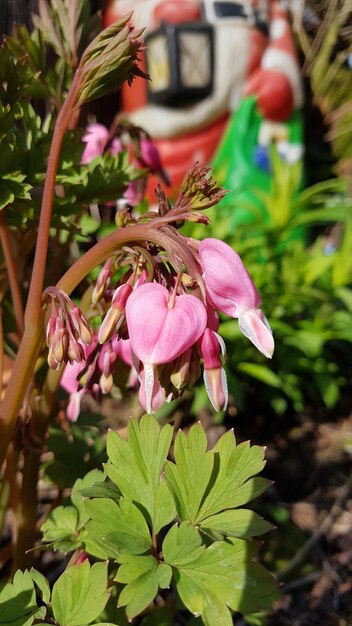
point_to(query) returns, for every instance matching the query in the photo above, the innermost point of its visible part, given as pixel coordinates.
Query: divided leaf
(63, 524)
(135, 466)
(189, 478)
(205, 484)
(80, 595)
(143, 576)
(18, 605)
(212, 580)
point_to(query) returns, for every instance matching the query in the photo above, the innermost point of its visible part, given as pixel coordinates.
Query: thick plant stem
(27, 533)
(34, 318)
(34, 301)
(12, 274)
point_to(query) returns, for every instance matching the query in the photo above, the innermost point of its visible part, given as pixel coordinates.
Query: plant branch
(34, 302)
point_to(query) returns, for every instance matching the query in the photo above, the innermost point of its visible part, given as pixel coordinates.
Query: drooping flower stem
(34, 334)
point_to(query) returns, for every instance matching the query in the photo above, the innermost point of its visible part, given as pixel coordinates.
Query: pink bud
(210, 349)
(75, 351)
(116, 146)
(74, 406)
(150, 158)
(103, 281)
(180, 374)
(81, 325)
(211, 345)
(59, 345)
(50, 329)
(114, 316)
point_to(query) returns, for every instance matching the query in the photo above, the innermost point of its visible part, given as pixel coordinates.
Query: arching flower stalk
(162, 307)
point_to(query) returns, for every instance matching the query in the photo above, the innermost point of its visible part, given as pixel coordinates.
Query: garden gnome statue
(224, 85)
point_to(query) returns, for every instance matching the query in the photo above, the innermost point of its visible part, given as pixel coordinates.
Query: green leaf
(241, 523)
(189, 478)
(260, 372)
(122, 527)
(80, 595)
(42, 584)
(61, 527)
(232, 484)
(135, 466)
(101, 489)
(212, 580)
(76, 495)
(143, 576)
(205, 483)
(18, 605)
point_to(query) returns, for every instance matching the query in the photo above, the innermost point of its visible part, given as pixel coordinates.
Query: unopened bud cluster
(67, 330)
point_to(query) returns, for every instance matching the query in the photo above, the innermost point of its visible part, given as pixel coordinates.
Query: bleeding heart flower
(161, 328)
(95, 139)
(231, 290)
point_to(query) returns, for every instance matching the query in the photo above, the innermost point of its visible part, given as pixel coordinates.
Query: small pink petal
(254, 325)
(95, 139)
(151, 393)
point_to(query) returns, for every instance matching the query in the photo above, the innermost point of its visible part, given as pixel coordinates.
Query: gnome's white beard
(231, 49)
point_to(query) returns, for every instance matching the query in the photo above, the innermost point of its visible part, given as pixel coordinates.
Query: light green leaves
(211, 579)
(62, 528)
(206, 484)
(206, 556)
(142, 575)
(80, 595)
(18, 605)
(135, 466)
(189, 478)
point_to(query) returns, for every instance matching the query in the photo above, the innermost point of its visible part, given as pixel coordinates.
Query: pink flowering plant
(145, 534)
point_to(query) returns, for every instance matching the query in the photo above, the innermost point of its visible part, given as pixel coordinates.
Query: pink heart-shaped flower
(159, 334)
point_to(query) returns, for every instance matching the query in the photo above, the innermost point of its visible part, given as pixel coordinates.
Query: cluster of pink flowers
(158, 299)
(164, 332)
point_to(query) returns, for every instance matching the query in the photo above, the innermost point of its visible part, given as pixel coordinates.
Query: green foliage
(18, 605)
(80, 594)
(132, 522)
(297, 250)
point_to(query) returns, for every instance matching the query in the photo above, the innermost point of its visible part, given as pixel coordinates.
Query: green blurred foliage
(297, 250)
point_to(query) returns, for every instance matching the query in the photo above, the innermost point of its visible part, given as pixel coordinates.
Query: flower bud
(180, 373)
(75, 351)
(74, 406)
(115, 315)
(81, 325)
(59, 344)
(211, 345)
(105, 383)
(103, 281)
